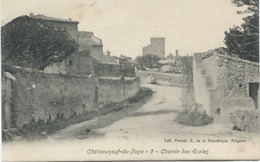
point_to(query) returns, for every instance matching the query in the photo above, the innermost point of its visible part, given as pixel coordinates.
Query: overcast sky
(125, 26)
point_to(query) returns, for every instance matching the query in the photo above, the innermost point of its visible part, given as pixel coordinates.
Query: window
(70, 62)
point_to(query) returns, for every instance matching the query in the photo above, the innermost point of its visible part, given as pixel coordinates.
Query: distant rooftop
(43, 17)
(124, 57)
(88, 38)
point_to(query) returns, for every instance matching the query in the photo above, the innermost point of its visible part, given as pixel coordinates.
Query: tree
(149, 61)
(244, 41)
(31, 43)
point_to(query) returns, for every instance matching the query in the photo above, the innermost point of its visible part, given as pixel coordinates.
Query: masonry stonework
(156, 47)
(114, 89)
(36, 95)
(224, 85)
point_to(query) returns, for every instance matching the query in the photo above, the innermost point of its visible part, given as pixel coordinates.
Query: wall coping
(151, 72)
(18, 69)
(200, 56)
(237, 59)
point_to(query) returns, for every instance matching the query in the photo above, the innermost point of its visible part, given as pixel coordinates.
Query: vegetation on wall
(243, 40)
(31, 43)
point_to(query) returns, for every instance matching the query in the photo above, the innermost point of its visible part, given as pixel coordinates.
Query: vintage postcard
(98, 80)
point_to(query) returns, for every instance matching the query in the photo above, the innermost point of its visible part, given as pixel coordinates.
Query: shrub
(193, 117)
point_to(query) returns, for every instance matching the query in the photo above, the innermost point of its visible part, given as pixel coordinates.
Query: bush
(144, 92)
(193, 117)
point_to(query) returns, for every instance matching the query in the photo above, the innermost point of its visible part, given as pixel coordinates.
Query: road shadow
(152, 113)
(87, 129)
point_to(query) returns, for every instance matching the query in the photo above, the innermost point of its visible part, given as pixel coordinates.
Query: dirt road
(145, 130)
(154, 118)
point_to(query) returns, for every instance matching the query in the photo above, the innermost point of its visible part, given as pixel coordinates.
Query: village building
(226, 86)
(170, 56)
(93, 44)
(156, 47)
(80, 63)
(89, 58)
(70, 25)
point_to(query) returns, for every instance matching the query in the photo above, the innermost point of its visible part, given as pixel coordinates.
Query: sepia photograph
(110, 80)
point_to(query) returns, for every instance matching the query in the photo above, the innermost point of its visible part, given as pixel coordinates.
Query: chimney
(176, 53)
(31, 14)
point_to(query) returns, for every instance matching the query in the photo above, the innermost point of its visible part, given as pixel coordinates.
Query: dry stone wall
(116, 89)
(36, 95)
(230, 73)
(237, 73)
(222, 86)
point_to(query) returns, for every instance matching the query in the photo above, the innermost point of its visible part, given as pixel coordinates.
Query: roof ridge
(44, 17)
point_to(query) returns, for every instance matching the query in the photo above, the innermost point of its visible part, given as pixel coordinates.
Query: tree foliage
(243, 40)
(149, 61)
(31, 43)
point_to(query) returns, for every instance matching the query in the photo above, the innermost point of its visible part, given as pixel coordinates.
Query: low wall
(230, 73)
(162, 78)
(116, 89)
(36, 95)
(204, 93)
(30, 94)
(220, 79)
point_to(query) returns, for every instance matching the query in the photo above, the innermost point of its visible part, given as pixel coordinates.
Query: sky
(125, 26)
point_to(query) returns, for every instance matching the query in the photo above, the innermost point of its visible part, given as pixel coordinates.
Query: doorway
(253, 92)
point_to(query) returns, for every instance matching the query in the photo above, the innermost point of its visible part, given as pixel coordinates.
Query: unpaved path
(142, 126)
(154, 119)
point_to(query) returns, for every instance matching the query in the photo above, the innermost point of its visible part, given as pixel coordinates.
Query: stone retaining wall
(35, 95)
(223, 84)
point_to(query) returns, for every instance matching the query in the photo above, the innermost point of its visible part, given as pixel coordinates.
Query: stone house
(224, 85)
(81, 63)
(89, 57)
(87, 41)
(70, 25)
(156, 47)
